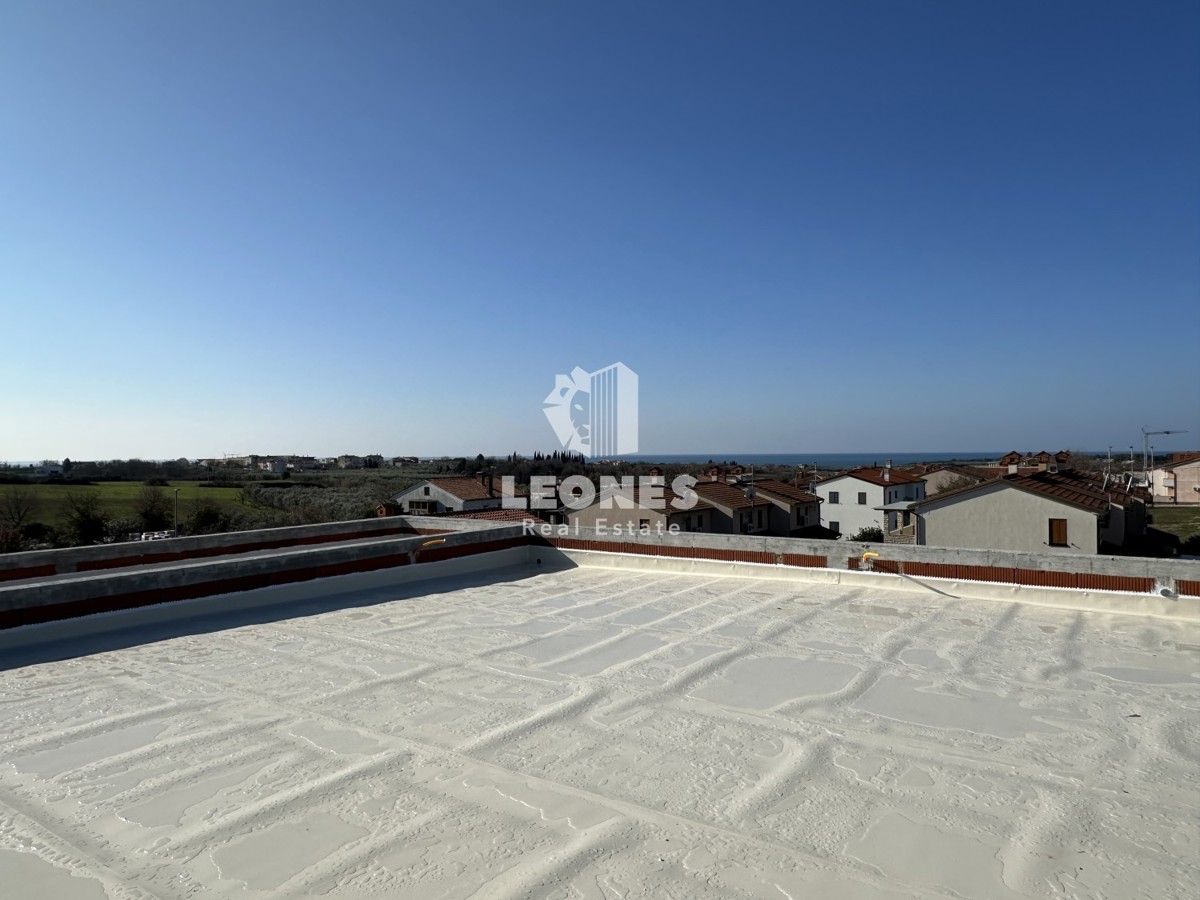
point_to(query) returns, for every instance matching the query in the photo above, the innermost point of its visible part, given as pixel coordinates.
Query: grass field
(118, 498)
(1181, 520)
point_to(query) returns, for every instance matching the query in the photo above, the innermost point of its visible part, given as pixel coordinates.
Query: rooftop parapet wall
(41, 563)
(844, 554)
(129, 588)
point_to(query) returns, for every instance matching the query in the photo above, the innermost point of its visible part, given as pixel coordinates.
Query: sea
(818, 460)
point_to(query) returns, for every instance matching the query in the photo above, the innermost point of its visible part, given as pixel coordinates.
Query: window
(835, 526)
(862, 498)
(1058, 533)
(427, 491)
(643, 523)
(760, 518)
(833, 496)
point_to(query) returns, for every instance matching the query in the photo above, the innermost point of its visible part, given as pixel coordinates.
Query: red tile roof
(464, 487)
(1074, 491)
(1069, 487)
(785, 491)
(731, 496)
(1183, 460)
(874, 475)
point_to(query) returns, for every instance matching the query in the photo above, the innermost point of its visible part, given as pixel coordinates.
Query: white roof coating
(602, 734)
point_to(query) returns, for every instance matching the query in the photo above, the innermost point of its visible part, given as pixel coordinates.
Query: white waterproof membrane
(615, 734)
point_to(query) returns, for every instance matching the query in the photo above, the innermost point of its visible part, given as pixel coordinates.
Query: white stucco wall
(1002, 517)
(850, 515)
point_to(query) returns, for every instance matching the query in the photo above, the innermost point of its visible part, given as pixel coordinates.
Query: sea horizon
(818, 460)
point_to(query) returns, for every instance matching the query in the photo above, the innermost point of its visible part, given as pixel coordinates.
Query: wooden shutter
(1058, 533)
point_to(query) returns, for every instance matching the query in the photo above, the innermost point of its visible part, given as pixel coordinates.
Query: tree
(85, 519)
(153, 508)
(206, 518)
(17, 506)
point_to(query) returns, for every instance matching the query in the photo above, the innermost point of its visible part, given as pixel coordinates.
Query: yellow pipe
(868, 553)
(431, 543)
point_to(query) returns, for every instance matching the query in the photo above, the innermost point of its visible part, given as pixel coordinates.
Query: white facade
(849, 502)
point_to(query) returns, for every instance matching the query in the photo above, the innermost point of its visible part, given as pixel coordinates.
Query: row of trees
(85, 519)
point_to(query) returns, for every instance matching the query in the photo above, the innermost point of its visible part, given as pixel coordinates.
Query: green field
(1181, 520)
(119, 498)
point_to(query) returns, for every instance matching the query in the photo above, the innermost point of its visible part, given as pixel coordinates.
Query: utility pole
(176, 512)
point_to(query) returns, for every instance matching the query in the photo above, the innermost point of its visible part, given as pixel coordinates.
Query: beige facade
(999, 516)
(1179, 483)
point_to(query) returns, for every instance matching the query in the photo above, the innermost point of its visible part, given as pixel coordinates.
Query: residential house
(737, 508)
(866, 498)
(1178, 481)
(795, 510)
(451, 493)
(276, 465)
(644, 506)
(349, 461)
(1045, 512)
(1011, 458)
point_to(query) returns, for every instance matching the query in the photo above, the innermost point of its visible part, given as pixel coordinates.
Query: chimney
(490, 481)
(887, 474)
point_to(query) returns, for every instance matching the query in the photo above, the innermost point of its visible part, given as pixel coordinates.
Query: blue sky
(385, 227)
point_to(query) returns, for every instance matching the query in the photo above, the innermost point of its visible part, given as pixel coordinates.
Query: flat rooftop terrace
(603, 733)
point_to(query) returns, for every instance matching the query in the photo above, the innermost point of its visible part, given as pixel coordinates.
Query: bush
(872, 535)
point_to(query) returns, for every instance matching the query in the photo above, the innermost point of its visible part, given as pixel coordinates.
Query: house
(451, 493)
(862, 498)
(644, 507)
(737, 509)
(1045, 512)
(795, 509)
(1011, 458)
(349, 461)
(276, 465)
(1178, 481)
